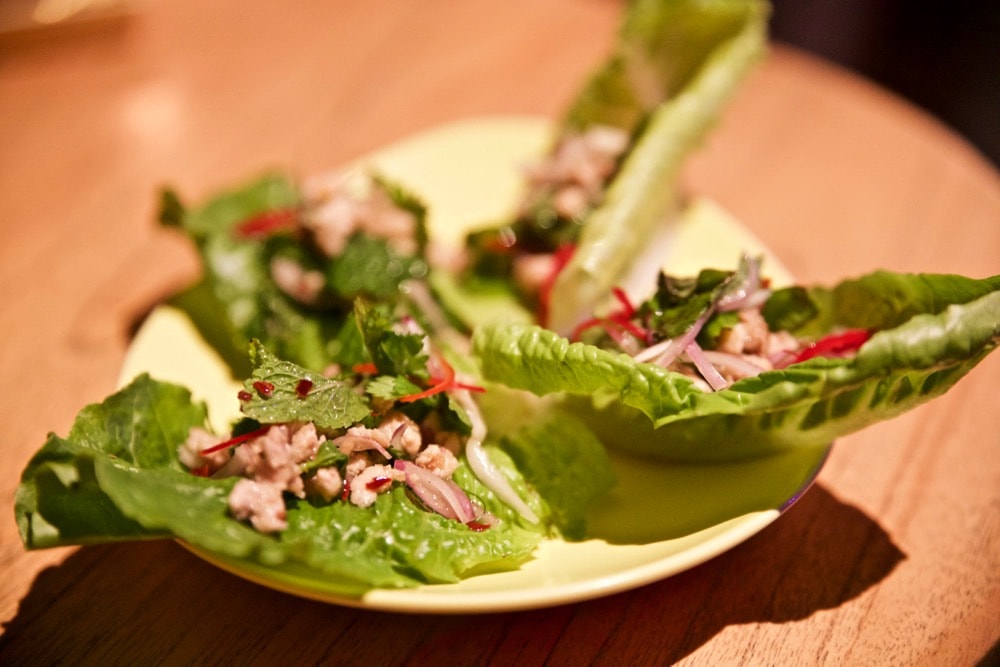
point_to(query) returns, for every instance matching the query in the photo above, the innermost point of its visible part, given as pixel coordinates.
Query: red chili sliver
(477, 526)
(621, 318)
(560, 258)
(378, 483)
(232, 442)
(834, 345)
(303, 387)
(244, 396)
(264, 388)
(441, 384)
(267, 223)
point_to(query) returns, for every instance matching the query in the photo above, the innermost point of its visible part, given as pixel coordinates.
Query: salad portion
(379, 475)
(284, 261)
(394, 431)
(609, 184)
(719, 367)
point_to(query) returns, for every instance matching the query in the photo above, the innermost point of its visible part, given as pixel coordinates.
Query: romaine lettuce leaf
(60, 499)
(932, 329)
(676, 66)
(563, 460)
(236, 300)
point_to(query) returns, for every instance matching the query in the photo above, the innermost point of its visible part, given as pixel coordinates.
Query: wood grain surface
(892, 558)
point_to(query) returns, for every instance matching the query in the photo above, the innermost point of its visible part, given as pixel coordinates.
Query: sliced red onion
(482, 465)
(359, 443)
(736, 365)
(652, 352)
(396, 441)
(735, 296)
(439, 494)
(705, 367)
(682, 342)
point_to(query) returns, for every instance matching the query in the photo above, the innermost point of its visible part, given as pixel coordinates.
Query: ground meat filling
(271, 465)
(335, 208)
(568, 183)
(574, 175)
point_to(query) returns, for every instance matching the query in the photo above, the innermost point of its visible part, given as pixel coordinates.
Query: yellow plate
(661, 519)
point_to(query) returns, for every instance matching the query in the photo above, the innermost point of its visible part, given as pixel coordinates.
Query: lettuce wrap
(283, 261)
(121, 474)
(929, 331)
(675, 66)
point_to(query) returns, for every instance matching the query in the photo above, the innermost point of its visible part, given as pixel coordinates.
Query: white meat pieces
(336, 206)
(270, 462)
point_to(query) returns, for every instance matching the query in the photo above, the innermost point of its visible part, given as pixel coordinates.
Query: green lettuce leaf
(932, 330)
(60, 499)
(116, 476)
(236, 300)
(676, 66)
(565, 462)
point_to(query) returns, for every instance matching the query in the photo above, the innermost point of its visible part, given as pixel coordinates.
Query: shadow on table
(154, 602)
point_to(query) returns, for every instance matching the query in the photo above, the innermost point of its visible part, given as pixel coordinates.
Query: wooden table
(893, 558)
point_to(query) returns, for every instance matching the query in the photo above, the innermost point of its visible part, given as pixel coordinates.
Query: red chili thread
(267, 223)
(621, 318)
(560, 258)
(232, 442)
(445, 382)
(834, 345)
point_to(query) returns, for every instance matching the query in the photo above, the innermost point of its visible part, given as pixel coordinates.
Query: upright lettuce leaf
(676, 65)
(932, 330)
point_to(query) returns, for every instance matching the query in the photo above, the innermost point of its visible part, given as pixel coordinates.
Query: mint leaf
(391, 387)
(280, 392)
(369, 267)
(392, 353)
